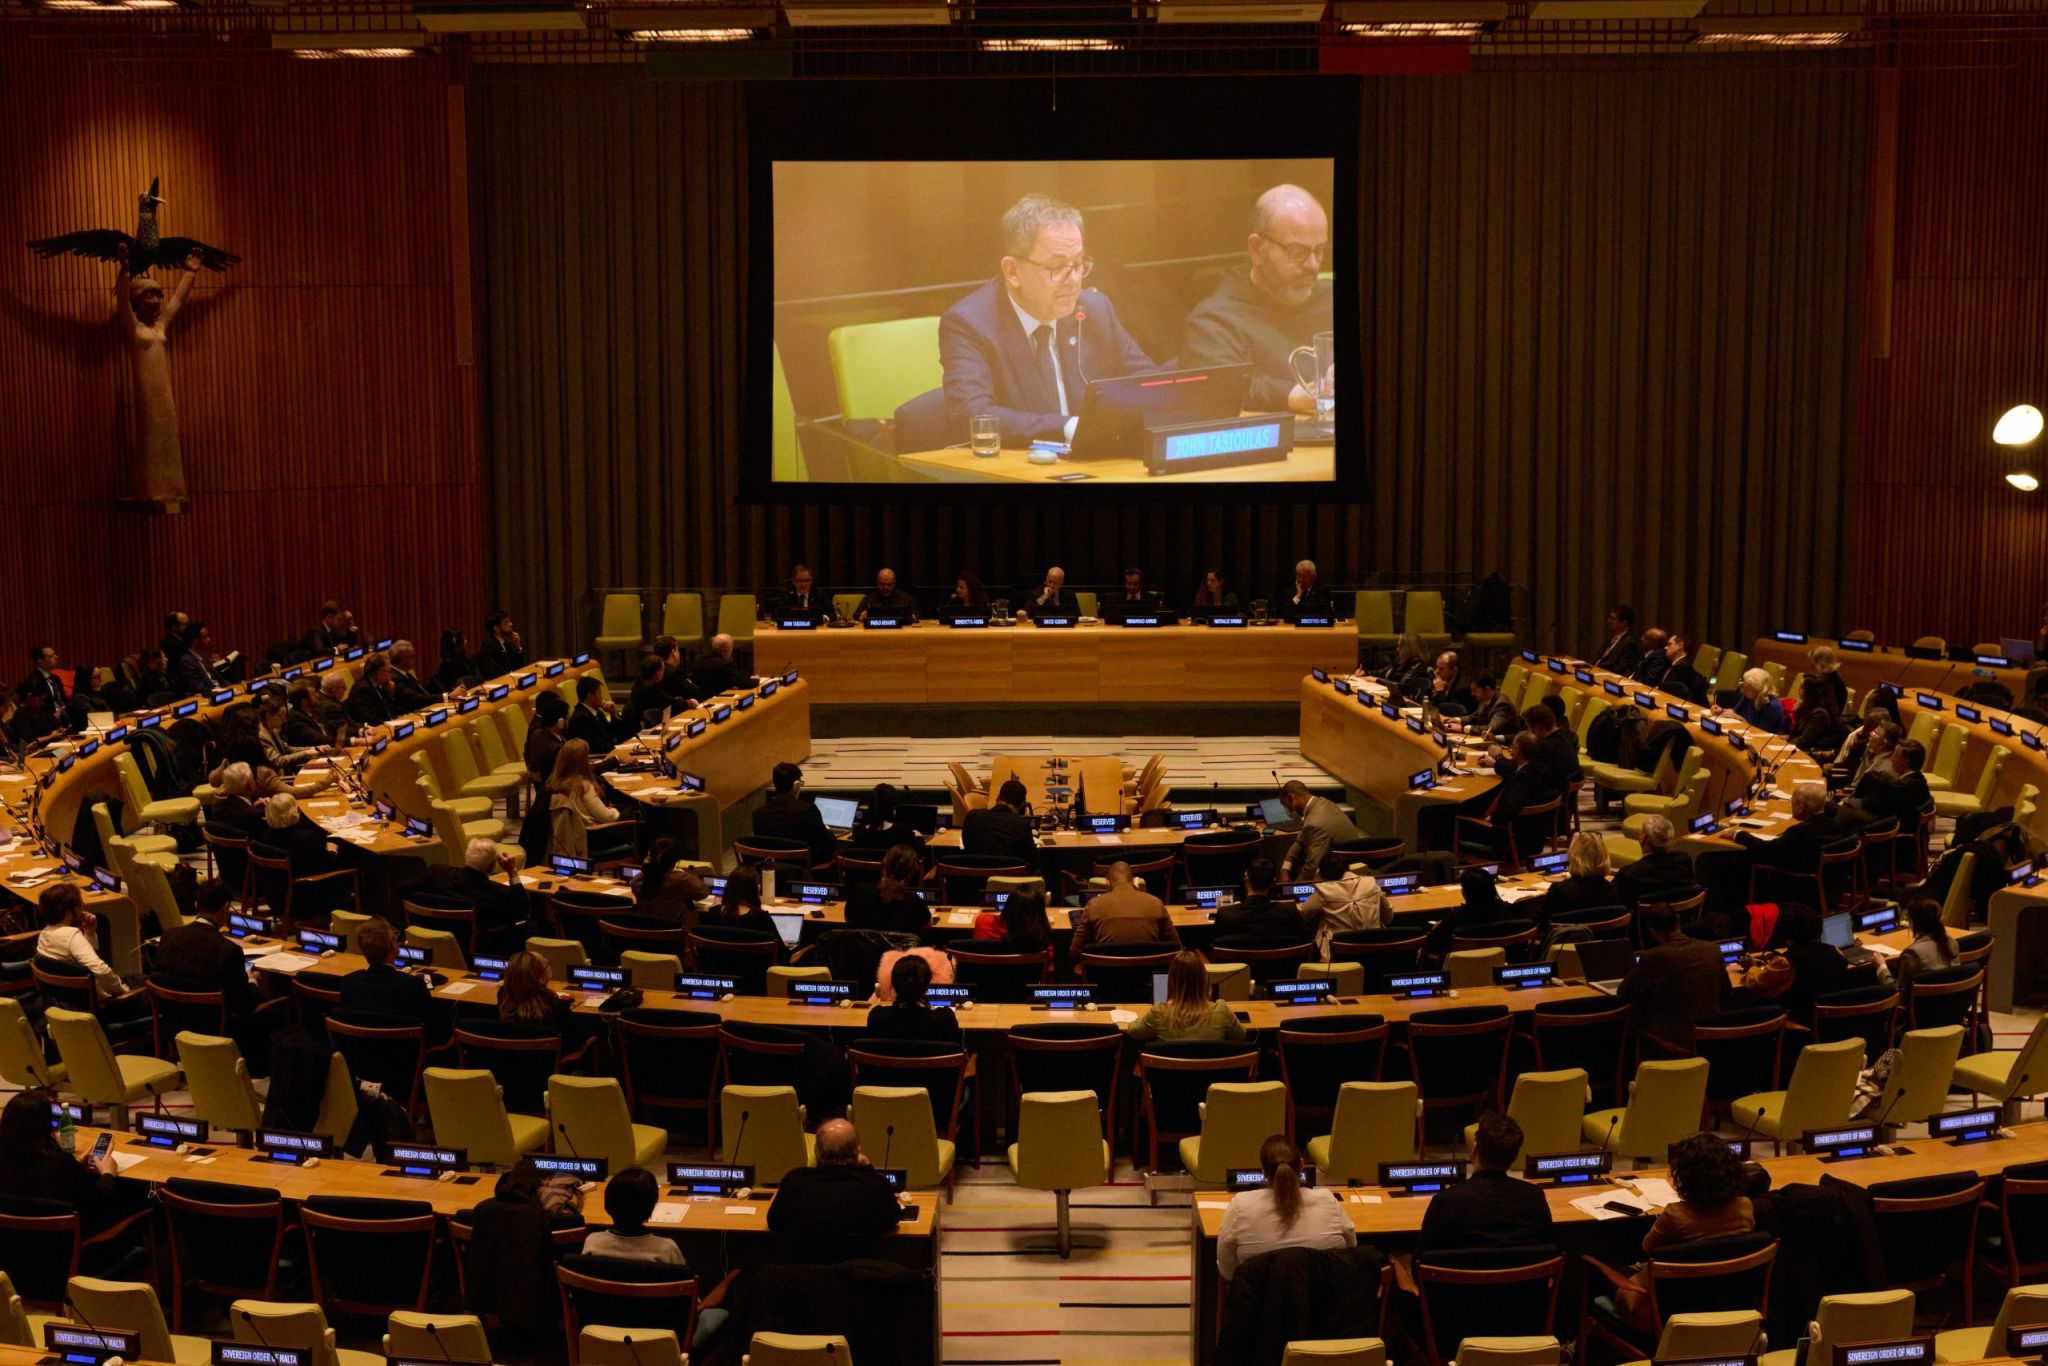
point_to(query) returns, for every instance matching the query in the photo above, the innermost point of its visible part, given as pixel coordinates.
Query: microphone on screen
(1074, 340)
(563, 1129)
(888, 1143)
(1896, 1098)
(1608, 1138)
(255, 1327)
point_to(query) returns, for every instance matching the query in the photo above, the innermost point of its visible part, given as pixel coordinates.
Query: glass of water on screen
(1321, 382)
(984, 435)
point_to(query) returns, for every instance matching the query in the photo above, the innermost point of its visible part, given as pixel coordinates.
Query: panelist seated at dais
(1024, 347)
(1053, 596)
(1277, 301)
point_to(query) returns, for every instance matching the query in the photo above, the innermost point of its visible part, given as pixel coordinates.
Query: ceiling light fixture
(1050, 45)
(690, 35)
(2023, 480)
(1416, 29)
(2018, 425)
(323, 53)
(1816, 39)
(364, 43)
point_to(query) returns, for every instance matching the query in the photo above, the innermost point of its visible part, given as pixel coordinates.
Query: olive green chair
(878, 367)
(682, 616)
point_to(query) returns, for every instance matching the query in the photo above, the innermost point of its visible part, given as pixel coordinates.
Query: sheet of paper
(1123, 1017)
(1656, 1190)
(1511, 895)
(668, 1212)
(1597, 1204)
(1109, 839)
(286, 963)
(1358, 1198)
(457, 989)
(748, 1210)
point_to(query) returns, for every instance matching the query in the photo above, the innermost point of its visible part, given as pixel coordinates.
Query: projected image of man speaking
(1025, 346)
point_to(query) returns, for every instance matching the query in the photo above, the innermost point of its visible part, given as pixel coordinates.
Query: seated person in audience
(675, 679)
(1861, 747)
(65, 941)
(194, 672)
(1557, 746)
(908, 1014)
(1677, 983)
(1019, 925)
(1053, 596)
(265, 781)
(234, 809)
(502, 651)
(1308, 598)
(801, 599)
(1256, 915)
(525, 998)
(196, 956)
(511, 1263)
(596, 720)
(28, 720)
(1411, 670)
(1623, 652)
(1130, 600)
(305, 729)
(667, 893)
(544, 735)
(1710, 1181)
(1931, 950)
(326, 635)
(891, 901)
(1663, 873)
(1681, 679)
(1351, 902)
(1261, 310)
(1124, 914)
(739, 908)
(1526, 780)
(272, 727)
(719, 671)
(42, 678)
(1323, 823)
(370, 701)
(575, 801)
(886, 600)
(332, 704)
(1757, 704)
(1827, 671)
(455, 662)
(1282, 1213)
(1212, 597)
(1804, 967)
(153, 676)
(1002, 828)
(1588, 881)
(650, 697)
(1895, 789)
(34, 1167)
(1479, 904)
(409, 692)
(789, 814)
(629, 1200)
(969, 597)
(1447, 684)
(1492, 715)
(1655, 663)
(842, 1197)
(300, 838)
(1490, 1208)
(380, 988)
(1188, 1011)
(501, 908)
(876, 827)
(940, 963)
(1797, 847)
(1819, 731)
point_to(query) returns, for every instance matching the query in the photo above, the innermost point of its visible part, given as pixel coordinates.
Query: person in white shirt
(629, 1200)
(65, 940)
(1280, 1215)
(1352, 902)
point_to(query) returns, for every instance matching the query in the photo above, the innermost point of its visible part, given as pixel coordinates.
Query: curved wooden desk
(1865, 669)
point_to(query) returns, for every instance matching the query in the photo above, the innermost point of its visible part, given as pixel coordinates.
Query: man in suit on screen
(1025, 345)
(1261, 311)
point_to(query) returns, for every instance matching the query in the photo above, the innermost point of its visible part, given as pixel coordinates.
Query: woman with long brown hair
(1187, 1012)
(1281, 1214)
(523, 995)
(892, 902)
(575, 800)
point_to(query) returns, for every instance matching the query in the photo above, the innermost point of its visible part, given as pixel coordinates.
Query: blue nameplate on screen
(1523, 976)
(1061, 997)
(1843, 1144)
(882, 623)
(1735, 739)
(948, 994)
(568, 865)
(185, 709)
(500, 693)
(117, 735)
(1583, 675)
(2032, 739)
(1419, 1178)
(165, 1131)
(1703, 824)
(1550, 863)
(1556, 666)
(813, 893)
(1424, 779)
(1415, 724)
(771, 687)
(700, 988)
(224, 695)
(1315, 621)
(1292, 891)
(1528, 656)
(796, 624)
(422, 1160)
(789, 678)
(1254, 1178)
(1968, 713)
(1999, 727)
(279, 1145)
(582, 659)
(1417, 985)
(1676, 712)
(1886, 1352)
(1209, 898)
(1965, 1126)
(247, 1354)
(1644, 699)
(320, 941)
(289, 674)
(80, 1114)
(2019, 874)
(1232, 620)
(487, 968)
(1569, 1169)
(383, 644)
(1710, 725)
(720, 715)
(1613, 689)
(411, 957)
(1994, 661)
(1319, 675)
(323, 665)
(1881, 921)
(89, 1346)
(418, 828)
(1929, 700)
(1194, 820)
(1390, 711)
(2026, 1342)
(695, 728)
(526, 680)
(966, 623)
(1858, 646)
(242, 926)
(556, 669)
(710, 1178)
(468, 705)
(1343, 687)
(1736, 807)
(820, 993)
(403, 730)
(1300, 993)
(152, 721)
(1401, 884)
(597, 979)
(65, 764)
(582, 1168)
(1102, 825)
(688, 782)
(714, 886)
(436, 717)
(745, 702)
(1789, 637)
(1147, 620)
(1061, 620)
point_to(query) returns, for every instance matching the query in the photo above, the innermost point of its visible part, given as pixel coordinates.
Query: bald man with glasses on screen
(1260, 311)
(1024, 347)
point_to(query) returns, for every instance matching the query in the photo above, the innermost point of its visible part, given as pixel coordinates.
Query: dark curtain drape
(1611, 323)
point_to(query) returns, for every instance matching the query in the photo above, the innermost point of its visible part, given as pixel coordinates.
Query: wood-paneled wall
(1612, 318)
(1941, 543)
(328, 431)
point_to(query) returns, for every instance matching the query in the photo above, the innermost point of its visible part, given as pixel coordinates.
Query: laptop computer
(1839, 931)
(2015, 649)
(788, 924)
(924, 819)
(1275, 814)
(839, 812)
(1116, 412)
(1606, 961)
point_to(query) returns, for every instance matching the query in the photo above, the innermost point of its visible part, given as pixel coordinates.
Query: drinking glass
(1321, 385)
(984, 435)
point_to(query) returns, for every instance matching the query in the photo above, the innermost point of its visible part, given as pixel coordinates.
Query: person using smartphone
(33, 1166)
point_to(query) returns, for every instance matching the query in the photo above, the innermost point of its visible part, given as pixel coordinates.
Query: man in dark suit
(788, 814)
(675, 679)
(1132, 600)
(1447, 683)
(1024, 346)
(1622, 653)
(1798, 847)
(303, 728)
(1490, 1208)
(1053, 596)
(381, 989)
(1661, 874)
(1002, 828)
(194, 673)
(650, 695)
(718, 671)
(502, 650)
(1492, 715)
(1681, 679)
(198, 957)
(886, 600)
(501, 909)
(1655, 663)
(842, 1197)
(1898, 791)
(42, 678)
(1677, 983)
(800, 600)
(325, 637)
(369, 702)
(596, 719)
(1256, 916)
(1557, 749)
(408, 692)
(1526, 781)
(1309, 598)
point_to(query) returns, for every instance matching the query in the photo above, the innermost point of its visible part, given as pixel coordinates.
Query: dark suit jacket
(1489, 1209)
(1114, 608)
(647, 697)
(896, 604)
(198, 957)
(789, 816)
(712, 675)
(918, 1024)
(1797, 850)
(1682, 680)
(367, 706)
(1652, 668)
(1881, 795)
(1316, 603)
(49, 685)
(815, 605)
(304, 842)
(1660, 874)
(999, 830)
(1257, 916)
(1500, 720)
(497, 658)
(593, 728)
(1621, 655)
(408, 693)
(833, 1202)
(1067, 602)
(992, 367)
(1526, 785)
(305, 732)
(191, 675)
(1817, 969)
(1675, 987)
(387, 991)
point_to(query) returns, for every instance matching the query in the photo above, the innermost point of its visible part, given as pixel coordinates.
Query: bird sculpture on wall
(141, 253)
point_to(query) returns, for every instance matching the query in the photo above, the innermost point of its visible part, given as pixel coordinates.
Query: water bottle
(67, 1132)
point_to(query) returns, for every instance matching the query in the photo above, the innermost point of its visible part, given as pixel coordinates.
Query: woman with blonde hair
(1827, 670)
(1187, 1012)
(1588, 880)
(575, 800)
(1758, 704)
(524, 997)
(1413, 667)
